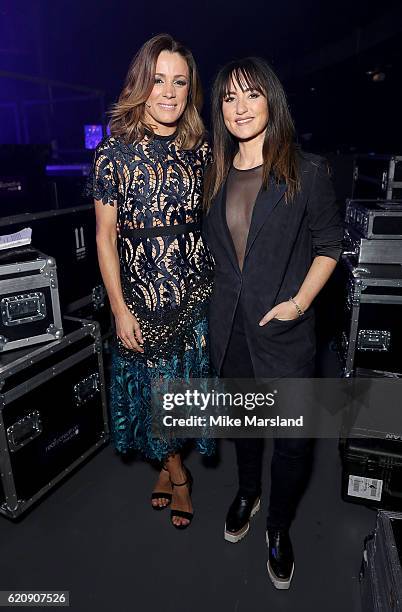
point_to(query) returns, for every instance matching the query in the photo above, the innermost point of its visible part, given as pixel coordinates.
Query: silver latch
(374, 340)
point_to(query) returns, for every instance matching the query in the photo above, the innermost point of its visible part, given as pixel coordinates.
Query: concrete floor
(97, 537)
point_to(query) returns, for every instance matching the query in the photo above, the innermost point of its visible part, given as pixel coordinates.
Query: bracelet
(300, 312)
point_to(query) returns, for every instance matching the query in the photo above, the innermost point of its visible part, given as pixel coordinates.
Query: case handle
(86, 389)
(24, 431)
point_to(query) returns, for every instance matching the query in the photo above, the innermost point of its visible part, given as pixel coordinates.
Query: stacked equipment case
(372, 328)
(377, 177)
(69, 236)
(370, 340)
(381, 573)
(29, 298)
(53, 414)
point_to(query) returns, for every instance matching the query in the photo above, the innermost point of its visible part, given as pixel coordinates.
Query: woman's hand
(129, 332)
(285, 311)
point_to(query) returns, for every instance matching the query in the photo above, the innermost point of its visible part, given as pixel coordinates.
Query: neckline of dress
(155, 136)
(246, 169)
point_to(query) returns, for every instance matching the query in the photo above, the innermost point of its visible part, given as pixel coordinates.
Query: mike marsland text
(227, 421)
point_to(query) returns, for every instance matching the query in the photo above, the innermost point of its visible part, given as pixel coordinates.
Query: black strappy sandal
(182, 513)
(160, 495)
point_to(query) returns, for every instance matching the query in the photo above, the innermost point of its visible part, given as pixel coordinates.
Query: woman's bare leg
(181, 499)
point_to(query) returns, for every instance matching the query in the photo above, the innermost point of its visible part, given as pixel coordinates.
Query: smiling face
(168, 98)
(245, 110)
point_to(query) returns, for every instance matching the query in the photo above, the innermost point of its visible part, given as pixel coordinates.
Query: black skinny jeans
(292, 457)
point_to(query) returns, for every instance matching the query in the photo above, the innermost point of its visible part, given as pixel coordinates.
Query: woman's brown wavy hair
(279, 151)
(127, 115)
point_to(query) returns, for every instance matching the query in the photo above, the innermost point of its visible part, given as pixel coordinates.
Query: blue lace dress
(166, 277)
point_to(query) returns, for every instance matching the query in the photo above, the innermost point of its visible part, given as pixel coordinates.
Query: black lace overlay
(166, 280)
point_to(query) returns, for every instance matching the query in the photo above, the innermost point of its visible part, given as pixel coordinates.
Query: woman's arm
(327, 232)
(317, 276)
(127, 327)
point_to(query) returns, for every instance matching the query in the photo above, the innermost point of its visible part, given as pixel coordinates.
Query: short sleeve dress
(166, 274)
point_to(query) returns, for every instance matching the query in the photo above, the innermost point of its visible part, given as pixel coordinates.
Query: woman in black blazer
(275, 232)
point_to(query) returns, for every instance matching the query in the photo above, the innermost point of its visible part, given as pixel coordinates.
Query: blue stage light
(93, 135)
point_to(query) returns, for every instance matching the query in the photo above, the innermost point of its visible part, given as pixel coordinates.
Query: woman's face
(245, 112)
(168, 98)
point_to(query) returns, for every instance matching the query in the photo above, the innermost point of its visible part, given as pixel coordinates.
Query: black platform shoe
(280, 562)
(238, 518)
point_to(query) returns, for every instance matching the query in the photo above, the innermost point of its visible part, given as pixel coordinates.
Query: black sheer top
(241, 192)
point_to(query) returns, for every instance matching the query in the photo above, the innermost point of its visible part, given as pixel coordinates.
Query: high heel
(181, 513)
(161, 495)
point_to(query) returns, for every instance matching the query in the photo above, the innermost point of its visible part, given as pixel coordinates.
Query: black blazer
(283, 240)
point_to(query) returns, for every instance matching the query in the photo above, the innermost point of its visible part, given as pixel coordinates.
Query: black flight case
(371, 347)
(29, 298)
(377, 177)
(381, 572)
(371, 335)
(68, 235)
(53, 414)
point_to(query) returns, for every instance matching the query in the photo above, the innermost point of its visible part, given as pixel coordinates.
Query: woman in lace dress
(147, 185)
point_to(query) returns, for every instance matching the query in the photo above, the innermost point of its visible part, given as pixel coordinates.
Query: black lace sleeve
(102, 181)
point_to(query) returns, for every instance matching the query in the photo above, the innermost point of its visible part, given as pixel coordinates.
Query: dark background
(322, 51)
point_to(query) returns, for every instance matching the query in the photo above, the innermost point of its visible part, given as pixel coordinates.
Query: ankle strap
(179, 484)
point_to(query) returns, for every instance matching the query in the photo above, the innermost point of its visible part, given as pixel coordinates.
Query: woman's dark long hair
(279, 150)
(127, 115)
